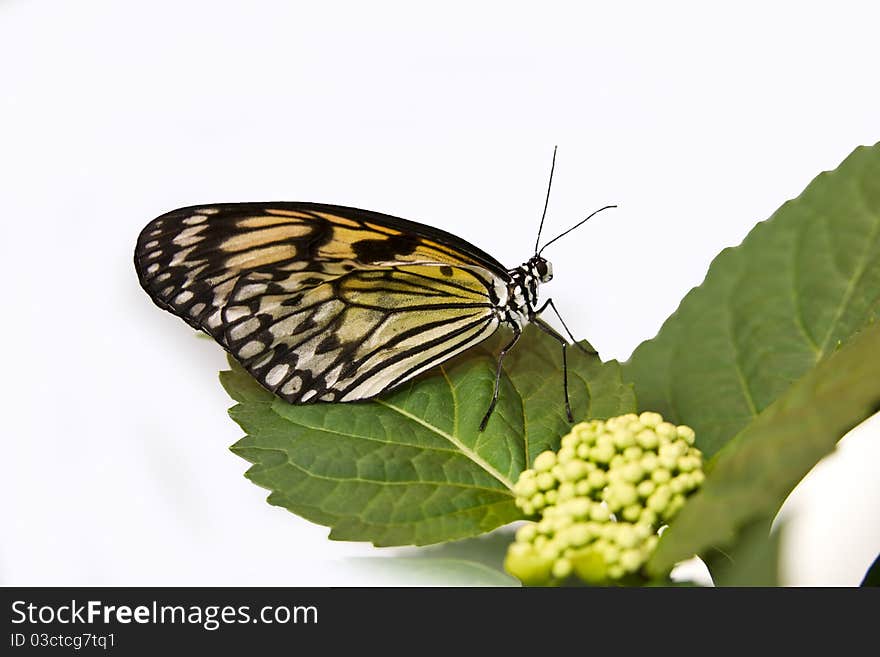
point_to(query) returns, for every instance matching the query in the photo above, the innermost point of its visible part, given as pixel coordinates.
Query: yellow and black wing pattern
(322, 302)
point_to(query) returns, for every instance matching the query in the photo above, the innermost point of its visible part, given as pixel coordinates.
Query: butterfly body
(329, 303)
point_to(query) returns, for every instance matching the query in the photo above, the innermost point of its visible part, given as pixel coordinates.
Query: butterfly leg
(516, 333)
(549, 302)
(549, 330)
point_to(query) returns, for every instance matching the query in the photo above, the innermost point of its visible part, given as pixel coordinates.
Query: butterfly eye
(545, 271)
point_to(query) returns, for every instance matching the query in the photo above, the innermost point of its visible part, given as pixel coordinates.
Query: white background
(698, 122)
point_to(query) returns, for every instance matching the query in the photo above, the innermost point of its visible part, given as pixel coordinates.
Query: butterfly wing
(321, 302)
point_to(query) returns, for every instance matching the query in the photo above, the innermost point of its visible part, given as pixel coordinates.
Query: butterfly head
(539, 268)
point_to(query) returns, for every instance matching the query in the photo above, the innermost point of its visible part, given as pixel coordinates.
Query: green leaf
(410, 467)
(872, 577)
(754, 473)
(769, 310)
(753, 561)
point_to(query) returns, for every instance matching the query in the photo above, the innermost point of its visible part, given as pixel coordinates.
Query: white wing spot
(197, 309)
(192, 273)
(251, 349)
(183, 297)
(164, 276)
(195, 219)
(251, 290)
(292, 386)
(244, 329)
(331, 377)
(180, 257)
(151, 244)
(214, 320)
(153, 268)
(234, 313)
(276, 374)
(330, 396)
(209, 210)
(308, 395)
(155, 254)
(189, 236)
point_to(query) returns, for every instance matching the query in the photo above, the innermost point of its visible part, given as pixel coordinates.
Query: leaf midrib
(851, 286)
(464, 449)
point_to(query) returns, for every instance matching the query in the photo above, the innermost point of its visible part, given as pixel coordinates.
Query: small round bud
(645, 488)
(602, 453)
(660, 476)
(582, 487)
(623, 494)
(600, 513)
(597, 479)
(525, 564)
(579, 534)
(631, 560)
(665, 430)
(550, 551)
(623, 438)
(545, 527)
(611, 552)
(544, 461)
(632, 472)
(546, 481)
(562, 568)
(626, 536)
(650, 419)
(538, 501)
(659, 499)
(687, 463)
(561, 522)
(525, 487)
(616, 571)
(550, 496)
(573, 470)
(686, 433)
(583, 451)
(649, 462)
(680, 483)
(565, 492)
(674, 450)
(526, 533)
(632, 513)
(643, 530)
(633, 453)
(647, 439)
(674, 506)
(589, 565)
(579, 507)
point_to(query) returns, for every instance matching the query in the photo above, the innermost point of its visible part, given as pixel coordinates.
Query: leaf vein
(467, 451)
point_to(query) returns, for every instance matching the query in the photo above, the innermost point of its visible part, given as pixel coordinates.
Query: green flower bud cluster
(602, 498)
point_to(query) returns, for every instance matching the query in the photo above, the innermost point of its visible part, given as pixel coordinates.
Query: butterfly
(325, 303)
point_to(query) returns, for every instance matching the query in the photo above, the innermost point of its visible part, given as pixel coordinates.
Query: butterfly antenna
(580, 223)
(546, 200)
